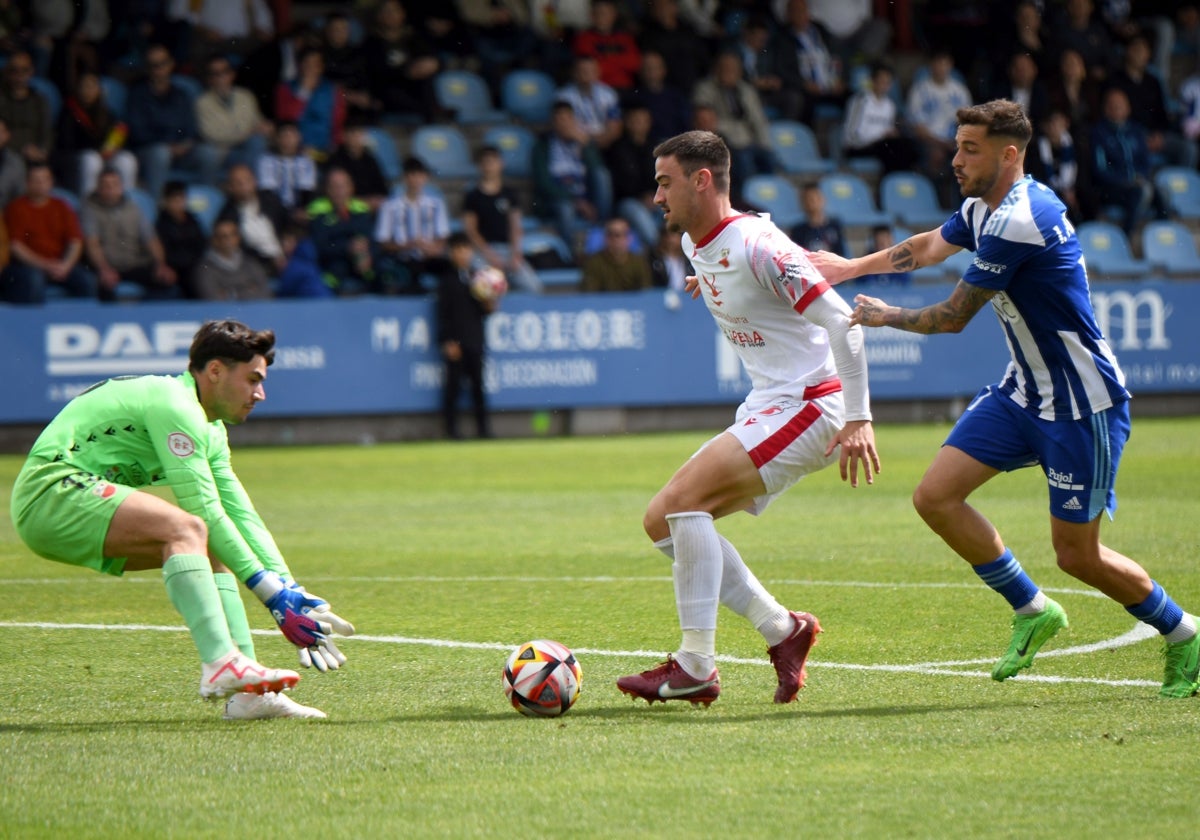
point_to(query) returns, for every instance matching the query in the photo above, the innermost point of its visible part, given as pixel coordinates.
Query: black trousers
(468, 367)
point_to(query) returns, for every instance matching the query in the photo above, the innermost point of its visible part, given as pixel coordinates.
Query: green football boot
(1181, 676)
(1030, 632)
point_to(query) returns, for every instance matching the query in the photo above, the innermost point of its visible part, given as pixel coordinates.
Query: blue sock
(1158, 610)
(1005, 575)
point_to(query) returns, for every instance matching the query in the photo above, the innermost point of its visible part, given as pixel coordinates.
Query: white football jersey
(757, 284)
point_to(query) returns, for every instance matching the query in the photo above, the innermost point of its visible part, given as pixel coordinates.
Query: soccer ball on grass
(542, 678)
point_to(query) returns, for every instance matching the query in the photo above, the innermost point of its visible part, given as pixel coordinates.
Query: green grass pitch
(445, 556)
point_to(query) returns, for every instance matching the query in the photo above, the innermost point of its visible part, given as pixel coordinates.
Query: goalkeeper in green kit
(76, 500)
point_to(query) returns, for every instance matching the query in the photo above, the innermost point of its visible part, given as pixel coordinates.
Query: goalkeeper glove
(306, 621)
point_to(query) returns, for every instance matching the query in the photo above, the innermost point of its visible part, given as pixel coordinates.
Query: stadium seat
(796, 147)
(444, 149)
(515, 143)
(1169, 246)
(911, 199)
(384, 147)
(540, 246)
(848, 199)
(50, 93)
(188, 83)
(145, 203)
(67, 196)
(776, 195)
(466, 94)
(115, 95)
(1106, 251)
(205, 202)
(1180, 188)
(527, 94)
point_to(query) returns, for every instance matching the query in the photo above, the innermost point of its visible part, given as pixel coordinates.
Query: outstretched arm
(948, 316)
(918, 251)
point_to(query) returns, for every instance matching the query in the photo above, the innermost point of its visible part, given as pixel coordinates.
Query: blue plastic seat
(527, 94)
(50, 92)
(849, 199)
(776, 195)
(538, 242)
(444, 149)
(115, 95)
(466, 94)
(1170, 247)
(1180, 188)
(911, 199)
(1106, 252)
(796, 148)
(515, 143)
(145, 202)
(384, 147)
(205, 202)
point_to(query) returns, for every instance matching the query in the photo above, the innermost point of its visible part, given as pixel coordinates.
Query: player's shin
(235, 612)
(742, 593)
(697, 576)
(190, 586)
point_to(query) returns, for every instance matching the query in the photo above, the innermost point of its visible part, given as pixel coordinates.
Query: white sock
(742, 593)
(1035, 606)
(697, 575)
(1183, 631)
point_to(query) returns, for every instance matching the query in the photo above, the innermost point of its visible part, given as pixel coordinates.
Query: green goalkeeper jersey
(146, 430)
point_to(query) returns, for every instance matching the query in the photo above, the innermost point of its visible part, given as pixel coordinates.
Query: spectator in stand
(1073, 92)
(612, 44)
(670, 108)
(301, 276)
(12, 169)
(314, 103)
(274, 62)
(183, 239)
(228, 118)
(1078, 29)
(162, 127)
(121, 244)
(491, 218)
(818, 231)
(1020, 29)
(342, 228)
(1022, 85)
(1148, 106)
(219, 26)
(45, 242)
(554, 24)
(1121, 170)
(669, 268)
(355, 156)
(438, 24)
(630, 163)
(873, 125)
(597, 106)
(501, 34)
(805, 62)
(933, 103)
(684, 51)
(460, 335)
(1053, 159)
(615, 268)
(25, 111)
(227, 272)
(346, 65)
(411, 230)
(571, 186)
(288, 171)
(260, 216)
(760, 68)
(90, 137)
(883, 238)
(1189, 100)
(741, 120)
(401, 67)
(852, 30)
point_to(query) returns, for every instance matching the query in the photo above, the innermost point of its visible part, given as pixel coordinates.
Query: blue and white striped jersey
(1062, 367)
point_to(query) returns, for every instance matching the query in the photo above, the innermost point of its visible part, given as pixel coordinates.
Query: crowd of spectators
(114, 114)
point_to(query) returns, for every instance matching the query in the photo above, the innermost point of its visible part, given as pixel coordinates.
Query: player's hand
(305, 620)
(833, 267)
(857, 440)
(324, 656)
(868, 311)
(691, 285)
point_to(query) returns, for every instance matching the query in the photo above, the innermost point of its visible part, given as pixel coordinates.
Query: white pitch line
(1138, 633)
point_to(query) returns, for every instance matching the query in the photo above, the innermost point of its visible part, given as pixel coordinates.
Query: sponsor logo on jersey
(713, 291)
(103, 490)
(1072, 504)
(724, 260)
(990, 267)
(1063, 481)
(180, 444)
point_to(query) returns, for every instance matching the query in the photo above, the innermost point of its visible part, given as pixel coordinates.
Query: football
(488, 284)
(542, 678)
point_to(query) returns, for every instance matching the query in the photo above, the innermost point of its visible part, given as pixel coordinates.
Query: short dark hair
(458, 239)
(699, 150)
(412, 163)
(230, 341)
(174, 188)
(1001, 118)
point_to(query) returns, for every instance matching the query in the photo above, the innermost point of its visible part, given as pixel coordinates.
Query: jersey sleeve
(956, 231)
(783, 268)
(237, 505)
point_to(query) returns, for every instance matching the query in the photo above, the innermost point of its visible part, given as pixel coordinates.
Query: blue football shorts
(1078, 457)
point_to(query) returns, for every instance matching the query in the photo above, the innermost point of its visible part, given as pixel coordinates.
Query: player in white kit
(808, 369)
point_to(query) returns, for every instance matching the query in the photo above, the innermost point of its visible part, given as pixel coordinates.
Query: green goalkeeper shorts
(63, 513)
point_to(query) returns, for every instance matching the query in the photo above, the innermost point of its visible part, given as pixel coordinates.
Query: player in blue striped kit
(1062, 402)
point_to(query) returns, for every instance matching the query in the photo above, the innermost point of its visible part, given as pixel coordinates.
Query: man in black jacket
(460, 315)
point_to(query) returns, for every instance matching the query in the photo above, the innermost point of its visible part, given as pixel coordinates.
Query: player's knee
(191, 531)
(925, 502)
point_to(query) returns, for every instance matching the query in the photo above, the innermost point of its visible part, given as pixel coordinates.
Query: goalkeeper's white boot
(236, 673)
(269, 704)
